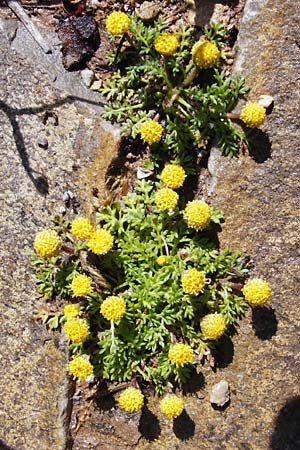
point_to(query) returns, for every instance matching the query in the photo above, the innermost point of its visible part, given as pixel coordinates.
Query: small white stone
(96, 85)
(265, 100)
(143, 173)
(87, 76)
(219, 394)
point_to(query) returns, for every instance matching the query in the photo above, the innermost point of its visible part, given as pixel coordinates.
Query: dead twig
(21, 14)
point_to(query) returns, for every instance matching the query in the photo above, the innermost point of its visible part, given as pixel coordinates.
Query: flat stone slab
(35, 391)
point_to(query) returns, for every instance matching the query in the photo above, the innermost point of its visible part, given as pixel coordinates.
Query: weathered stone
(35, 391)
(148, 11)
(80, 39)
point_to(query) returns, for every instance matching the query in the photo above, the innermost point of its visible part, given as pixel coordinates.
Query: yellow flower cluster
(161, 260)
(47, 243)
(117, 23)
(173, 175)
(113, 308)
(72, 310)
(166, 199)
(172, 406)
(253, 115)
(81, 228)
(77, 330)
(151, 131)
(131, 400)
(213, 326)
(100, 242)
(197, 214)
(80, 367)
(205, 54)
(193, 282)
(180, 354)
(166, 44)
(81, 285)
(257, 292)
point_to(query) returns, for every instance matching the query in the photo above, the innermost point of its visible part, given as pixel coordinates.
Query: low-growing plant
(176, 81)
(147, 293)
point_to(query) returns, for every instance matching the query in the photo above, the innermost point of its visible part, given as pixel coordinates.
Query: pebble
(148, 11)
(266, 101)
(219, 394)
(42, 142)
(96, 85)
(87, 76)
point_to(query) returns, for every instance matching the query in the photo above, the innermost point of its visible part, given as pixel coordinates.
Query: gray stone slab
(34, 404)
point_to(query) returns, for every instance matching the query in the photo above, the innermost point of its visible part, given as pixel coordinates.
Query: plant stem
(112, 331)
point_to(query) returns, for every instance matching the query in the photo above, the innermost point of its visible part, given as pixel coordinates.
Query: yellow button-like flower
(100, 242)
(197, 214)
(47, 243)
(131, 400)
(166, 44)
(172, 406)
(253, 115)
(180, 354)
(151, 131)
(205, 54)
(161, 260)
(173, 175)
(81, 285)
(193, 281)
(80, 367)
(113, 308)
(117, 23)
(77, 330)
(257, 292)
(81, 228)
(166, 199)
(213, 326)
(72, 310)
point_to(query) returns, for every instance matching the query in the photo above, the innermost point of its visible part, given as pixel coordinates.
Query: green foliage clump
(191, 103)
(158, 311)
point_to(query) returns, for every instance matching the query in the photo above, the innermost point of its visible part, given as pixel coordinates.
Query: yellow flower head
(113, 308)
(117, 23)
(131, 400)
(213, 326)
(173, 175)
(257, 292)
(205, 54)
(100, 242)
(197, 214)
(47, 243)
(166, 199)
(172, 406)
(77, 330)
(72, 310)
(81, 285)
(161, 260)
(80, 367)
(180, 354)
(166, 44)
(151, 131)
(253, 115)
(193, 282)
(81, 227)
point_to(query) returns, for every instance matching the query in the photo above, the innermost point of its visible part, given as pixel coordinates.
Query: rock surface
(35, 391)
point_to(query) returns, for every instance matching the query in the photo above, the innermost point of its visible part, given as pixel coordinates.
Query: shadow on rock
(223, 353)
(259, 146)
(184, 426)
(286, 434)
(195, 383)
(103, 398)
(149, 426)
(264, 322)
(3, 446)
